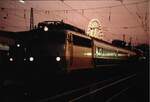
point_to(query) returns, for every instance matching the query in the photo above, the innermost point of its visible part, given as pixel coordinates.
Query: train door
(82, 53)
(69, 51)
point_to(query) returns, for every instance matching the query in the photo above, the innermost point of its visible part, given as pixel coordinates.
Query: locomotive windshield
(38, 43)
(44, 43)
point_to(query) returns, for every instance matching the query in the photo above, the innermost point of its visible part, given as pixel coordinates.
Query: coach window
(77, 40)
(99, 51)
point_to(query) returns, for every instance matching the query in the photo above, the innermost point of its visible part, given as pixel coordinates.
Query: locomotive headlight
(11, 59)
(45, 28)
(31, 59)
(18, 45)
(58, 59)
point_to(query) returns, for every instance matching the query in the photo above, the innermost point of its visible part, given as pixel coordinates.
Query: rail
(80, 93)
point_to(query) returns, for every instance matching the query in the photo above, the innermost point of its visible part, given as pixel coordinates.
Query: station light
(58, 59)
(31, 59)
(45, 28)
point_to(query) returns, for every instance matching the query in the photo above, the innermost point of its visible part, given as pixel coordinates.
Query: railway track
(105, 85)
(103, 91)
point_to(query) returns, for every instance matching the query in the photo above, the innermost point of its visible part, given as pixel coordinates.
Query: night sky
(117, 17)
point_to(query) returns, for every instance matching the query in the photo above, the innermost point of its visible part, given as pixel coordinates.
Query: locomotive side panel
(82, 58)
(79, 52)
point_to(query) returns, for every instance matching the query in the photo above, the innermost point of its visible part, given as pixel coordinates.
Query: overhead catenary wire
(9, 15)
(143, 18)
(96, 8)
(81, 12)
(13, 12)
(139, 20)
(53, 13)
(36, 12)
(76, 11)
(109, 14)
(24, 17)
(10, 25)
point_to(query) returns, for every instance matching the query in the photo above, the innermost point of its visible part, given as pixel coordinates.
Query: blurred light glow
(45, 28)
(18, 45)
(58, 59)
(94, 29)
(11, 59)
(88, 54)
(31, 59)
(4, 47)
(21, 1)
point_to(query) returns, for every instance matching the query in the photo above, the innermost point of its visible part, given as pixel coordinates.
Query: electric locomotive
(55, 46)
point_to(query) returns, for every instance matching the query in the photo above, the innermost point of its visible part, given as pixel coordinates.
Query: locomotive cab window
(80, 41)
(54, 37)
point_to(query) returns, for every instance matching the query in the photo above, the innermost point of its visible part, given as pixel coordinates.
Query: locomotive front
(40, 50)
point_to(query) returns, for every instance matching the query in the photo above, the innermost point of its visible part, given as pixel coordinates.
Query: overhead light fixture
(21, 1)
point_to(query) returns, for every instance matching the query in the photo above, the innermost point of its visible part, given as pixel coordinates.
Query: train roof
(53, 25)
(105, 42)
(111, 45)
(60, 25)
